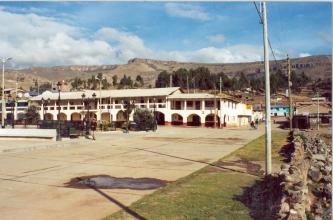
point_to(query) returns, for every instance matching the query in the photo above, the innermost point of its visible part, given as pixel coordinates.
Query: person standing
(93, 126)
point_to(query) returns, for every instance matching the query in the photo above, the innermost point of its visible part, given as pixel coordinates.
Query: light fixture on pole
(100, 95)
(3, 112)
(11, 104)
(59, 125)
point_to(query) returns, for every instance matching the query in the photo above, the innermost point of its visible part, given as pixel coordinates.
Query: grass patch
(207, 193)
(255, 150)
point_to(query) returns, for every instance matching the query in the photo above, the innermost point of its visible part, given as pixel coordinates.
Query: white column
(221, 119)
(15, 111)
(42, 110)
(185, 104)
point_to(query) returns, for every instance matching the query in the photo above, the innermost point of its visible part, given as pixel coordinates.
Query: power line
(269, 42)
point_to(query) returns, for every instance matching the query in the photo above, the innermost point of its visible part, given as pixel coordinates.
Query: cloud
(187, 11)
(36, 40)
(304, 55)
(219, 38)
(127, 44)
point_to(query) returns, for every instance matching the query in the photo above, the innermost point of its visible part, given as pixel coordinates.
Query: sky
(95, 33)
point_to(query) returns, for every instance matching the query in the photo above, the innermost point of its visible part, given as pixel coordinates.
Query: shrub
(144, 119)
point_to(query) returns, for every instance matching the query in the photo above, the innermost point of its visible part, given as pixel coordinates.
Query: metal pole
(188, 88)
(215, 109)
(318, 111)
(291, 111)
(220, 85)
(12, 105)
(100, 99)
(59, 124)
(37, 86)
(88, 122)
(15, 110)
(43, 110)
(268, 162)
(3, 112)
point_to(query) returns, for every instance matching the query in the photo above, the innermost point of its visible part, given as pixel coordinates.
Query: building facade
(171, 105)
(279, 110)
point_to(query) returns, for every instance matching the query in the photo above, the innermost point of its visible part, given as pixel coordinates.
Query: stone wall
(306, 179)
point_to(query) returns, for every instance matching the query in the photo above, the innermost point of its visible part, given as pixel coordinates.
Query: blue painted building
(279, 110)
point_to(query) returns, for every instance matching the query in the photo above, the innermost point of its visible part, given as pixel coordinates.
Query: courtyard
(35, 175)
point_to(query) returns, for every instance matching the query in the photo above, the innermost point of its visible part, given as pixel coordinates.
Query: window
(64, 108)
(51, 108)
(178, 105)
(189, 104)
(197, 105)
(72, 108)
(209, 104)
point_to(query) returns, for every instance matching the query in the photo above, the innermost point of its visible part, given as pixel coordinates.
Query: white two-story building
(171, 105)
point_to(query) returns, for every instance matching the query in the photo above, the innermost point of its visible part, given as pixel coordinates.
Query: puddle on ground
(109, 182)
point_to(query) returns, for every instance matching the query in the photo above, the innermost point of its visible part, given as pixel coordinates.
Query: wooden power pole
(291, 111)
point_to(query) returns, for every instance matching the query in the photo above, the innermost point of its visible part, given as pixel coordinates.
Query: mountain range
(313, 66)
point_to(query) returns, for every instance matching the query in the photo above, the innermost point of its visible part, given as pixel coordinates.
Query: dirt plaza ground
(33, 177)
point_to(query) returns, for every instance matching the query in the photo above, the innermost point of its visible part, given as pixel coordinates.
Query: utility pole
(268, 140)
(100, 96)
(291, 111)
(215, 108)
(16, 83)
(188, 88)
(220, 84)
(3, 103)
(318, 111)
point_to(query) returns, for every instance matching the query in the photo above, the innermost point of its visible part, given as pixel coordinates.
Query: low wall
(29, 133)
(306, 179)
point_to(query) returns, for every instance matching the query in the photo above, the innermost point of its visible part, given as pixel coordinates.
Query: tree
(105, 84)
(114, 80)
(243, 82)
(139, 81)
(163, 80)
(32, 115)
(126, 81)
(92, 83)
(128, 108)
(203, 78)
(144, 119)
(179, 78)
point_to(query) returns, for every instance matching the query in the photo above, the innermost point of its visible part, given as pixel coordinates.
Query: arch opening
(160, 118)
(210, 120)
(193, 120)
(75, 116)
(176, 119)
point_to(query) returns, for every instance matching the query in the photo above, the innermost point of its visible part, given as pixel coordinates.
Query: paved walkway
(33, 183)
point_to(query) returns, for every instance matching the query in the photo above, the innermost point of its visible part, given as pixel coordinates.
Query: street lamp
(11, 104)
(59, 125)
(86, 102)
(155, 121)
(100, 95)
(4, 60)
